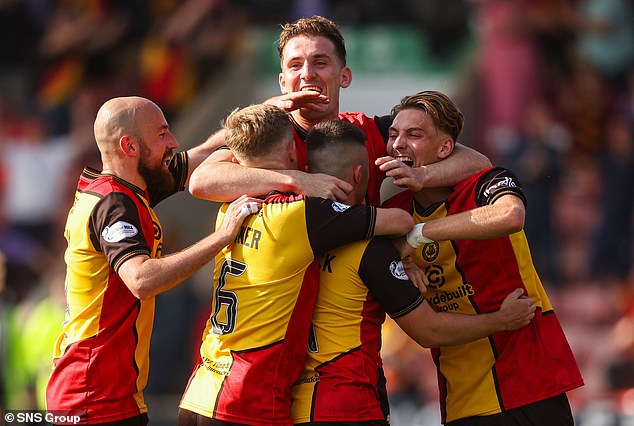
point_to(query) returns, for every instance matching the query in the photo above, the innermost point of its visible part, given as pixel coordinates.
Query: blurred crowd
(549, 94)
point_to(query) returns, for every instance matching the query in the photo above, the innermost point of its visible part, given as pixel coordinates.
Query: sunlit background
(547, 88)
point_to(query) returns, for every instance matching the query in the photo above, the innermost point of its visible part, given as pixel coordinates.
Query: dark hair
(314, 26)
(443, 111)
(333, 146)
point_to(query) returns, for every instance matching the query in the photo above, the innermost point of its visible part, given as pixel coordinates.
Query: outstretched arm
(433, 329)
(504, 217)
(147, 277)
(220, 179)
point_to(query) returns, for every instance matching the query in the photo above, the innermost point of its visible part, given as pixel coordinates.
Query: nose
(307, 71)
(172, 143)
(399, 142)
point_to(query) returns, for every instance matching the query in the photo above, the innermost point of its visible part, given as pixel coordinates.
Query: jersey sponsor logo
(218, 367)
(398, 270)
(435, 275)
(339, 207)
(450, 300)
(311, 379)
(506, 182)
(119, 231)
(430, 251)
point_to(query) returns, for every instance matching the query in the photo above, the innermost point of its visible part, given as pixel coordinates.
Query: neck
(124, 173)
(428, 196)
(307, 123)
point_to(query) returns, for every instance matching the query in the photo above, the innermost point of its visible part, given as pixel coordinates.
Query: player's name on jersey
(249, 237)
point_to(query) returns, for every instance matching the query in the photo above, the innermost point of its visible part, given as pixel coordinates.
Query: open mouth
(406, 160)
(311, 88)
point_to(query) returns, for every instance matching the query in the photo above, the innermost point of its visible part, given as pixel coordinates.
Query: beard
(160, 182)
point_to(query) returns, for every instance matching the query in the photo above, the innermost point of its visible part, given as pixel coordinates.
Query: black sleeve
(383, 123)
(382, 272)
(331, 224)
(115, 229)
(496, 183)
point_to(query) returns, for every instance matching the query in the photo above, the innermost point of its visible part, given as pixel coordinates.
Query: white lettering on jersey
(119, 231)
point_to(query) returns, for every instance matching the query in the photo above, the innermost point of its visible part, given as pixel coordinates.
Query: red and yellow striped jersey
(508, 369)
(265, 286)
(101, 359)
(342, 379)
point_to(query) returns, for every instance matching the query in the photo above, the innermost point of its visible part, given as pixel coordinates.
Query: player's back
(265, 286)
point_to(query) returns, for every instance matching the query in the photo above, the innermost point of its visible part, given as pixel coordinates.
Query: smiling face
(311, 63)
(157, 145)
(415, 140)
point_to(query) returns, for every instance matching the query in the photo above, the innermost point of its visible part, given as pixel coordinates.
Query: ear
(446, 148)
(128, 146)
(282, 83)
(291, 150)
(357, 173)
(346, 77)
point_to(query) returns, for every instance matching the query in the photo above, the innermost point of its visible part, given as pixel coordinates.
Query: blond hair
(256, 131)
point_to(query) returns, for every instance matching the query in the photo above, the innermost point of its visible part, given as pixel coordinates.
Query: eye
(294, 66)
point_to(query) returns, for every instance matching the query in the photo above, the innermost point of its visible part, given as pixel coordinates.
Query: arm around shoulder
(462, 163)
(392, 221)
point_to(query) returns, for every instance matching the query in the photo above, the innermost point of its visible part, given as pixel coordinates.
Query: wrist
(421, 174)
(415, 237)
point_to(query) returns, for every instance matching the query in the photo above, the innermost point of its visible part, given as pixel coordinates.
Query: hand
(296, 100)
(235, 215)
(415, 274)
(403, 175)
(322, 185)
(516, 310)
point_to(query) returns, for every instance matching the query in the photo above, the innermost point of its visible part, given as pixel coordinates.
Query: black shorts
(140, 420)
(553, 411)
(189, 418)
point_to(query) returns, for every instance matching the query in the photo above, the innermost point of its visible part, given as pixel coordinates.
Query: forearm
(225, 181)
(392, 221)
(502, 218)
(150, 276)
(462, 163)
(446, 329)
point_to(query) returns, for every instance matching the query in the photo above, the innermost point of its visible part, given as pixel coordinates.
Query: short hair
(313, 27)
(333, 146)
(443, 111)
(257, 130)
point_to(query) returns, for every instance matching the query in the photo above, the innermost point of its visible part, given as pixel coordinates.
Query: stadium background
(547, 88)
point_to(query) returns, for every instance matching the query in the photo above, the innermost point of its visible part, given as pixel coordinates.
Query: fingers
(382, 160)
(249, 208)
(244, 206)
(517, 292)
(295, 100)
